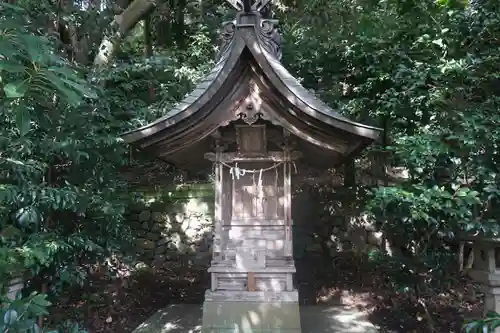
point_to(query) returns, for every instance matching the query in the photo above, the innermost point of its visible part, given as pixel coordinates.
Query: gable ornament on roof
(247, 5)
(267, 29)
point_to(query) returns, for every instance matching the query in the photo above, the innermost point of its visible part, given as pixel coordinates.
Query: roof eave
(184, 109)
(270, 66)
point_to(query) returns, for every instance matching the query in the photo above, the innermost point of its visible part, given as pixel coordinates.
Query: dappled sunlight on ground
(113, 306)
(314, 319)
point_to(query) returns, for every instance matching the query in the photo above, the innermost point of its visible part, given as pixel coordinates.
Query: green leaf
(37, 47)
(15, 90)
(27, 216)
(470, 327)
(495, 323)
(74, 328)
(38, 310)
(11, 68)
(35, 328)
(10, 231)
(10, 317)
(41, 300)
(82, 89)
(68, 94)
(23, 120)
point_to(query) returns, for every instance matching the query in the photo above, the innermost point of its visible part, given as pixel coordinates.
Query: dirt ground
(106, 306)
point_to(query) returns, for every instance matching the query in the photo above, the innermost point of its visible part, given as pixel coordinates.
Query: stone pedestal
(486, 271)
(251, 299)
(250, 317)
(252, 268)
(492, 299)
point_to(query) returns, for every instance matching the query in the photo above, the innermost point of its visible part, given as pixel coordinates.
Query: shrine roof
(249, 60)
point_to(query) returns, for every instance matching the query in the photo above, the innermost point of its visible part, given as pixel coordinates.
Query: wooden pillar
(287, 193)
(217, 248)
(287, 187)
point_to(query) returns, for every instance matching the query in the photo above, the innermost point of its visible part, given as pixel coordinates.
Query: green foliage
(426, 72)
(19, 316)
(60, 207)
(61, 196)
(485, 325)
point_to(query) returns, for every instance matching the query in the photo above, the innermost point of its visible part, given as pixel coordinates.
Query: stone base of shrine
(250, 317)
(187, 318)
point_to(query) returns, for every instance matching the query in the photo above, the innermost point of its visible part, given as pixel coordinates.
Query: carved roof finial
(256, 5)
(266, 29)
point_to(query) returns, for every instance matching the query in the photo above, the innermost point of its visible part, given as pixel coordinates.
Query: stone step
(252, 296)
(250, 317)
(187, 318)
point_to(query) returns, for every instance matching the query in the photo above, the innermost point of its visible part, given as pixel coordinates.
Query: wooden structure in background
(253, 122)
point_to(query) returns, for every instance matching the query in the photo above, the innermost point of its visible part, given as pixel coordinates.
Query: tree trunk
(179, 27)
(119, 28)
(147, 38)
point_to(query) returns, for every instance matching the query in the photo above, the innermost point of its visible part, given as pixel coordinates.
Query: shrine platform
(186, 318)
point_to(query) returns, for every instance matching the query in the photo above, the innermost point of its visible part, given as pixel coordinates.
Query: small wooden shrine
(254, 124)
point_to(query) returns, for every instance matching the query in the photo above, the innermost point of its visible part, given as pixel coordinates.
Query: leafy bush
(61, 202)
(486, 325)
(19, 316)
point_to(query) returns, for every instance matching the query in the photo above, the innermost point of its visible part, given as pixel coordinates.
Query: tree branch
(119, 28)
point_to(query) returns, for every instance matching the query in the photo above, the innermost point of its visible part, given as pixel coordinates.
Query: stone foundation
(250, 317)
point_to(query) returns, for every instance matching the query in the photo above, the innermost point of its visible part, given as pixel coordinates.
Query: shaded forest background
(74, 74)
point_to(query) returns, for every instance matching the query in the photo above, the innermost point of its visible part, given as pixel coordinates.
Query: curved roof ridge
(311, 104)
(218, 74)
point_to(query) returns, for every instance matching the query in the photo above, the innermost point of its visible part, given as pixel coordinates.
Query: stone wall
(177, 222)
(174, 222)
(327, 220)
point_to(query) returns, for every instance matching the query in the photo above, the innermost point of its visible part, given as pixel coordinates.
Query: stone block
(144, 216)
(153, 236)
(491, 301)
(178, 242)
(146, 244)
(375, 238)
(157, 216)
(179, 217)
(159, 259)
(250, 317)
(157, 227)
(162, 241)
(161, 249)
(135, 224)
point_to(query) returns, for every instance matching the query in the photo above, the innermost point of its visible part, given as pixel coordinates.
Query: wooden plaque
(251, 285)
(251, 139)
